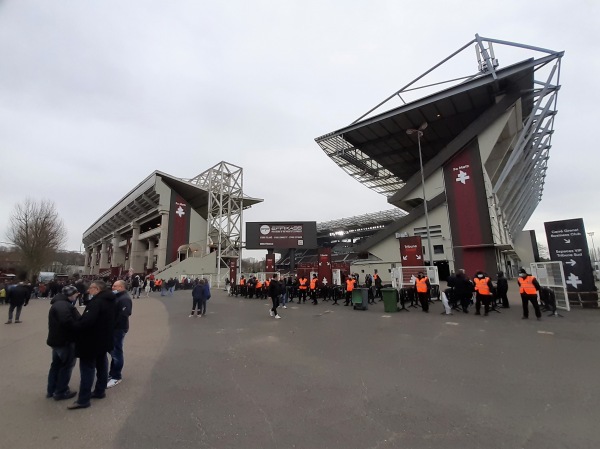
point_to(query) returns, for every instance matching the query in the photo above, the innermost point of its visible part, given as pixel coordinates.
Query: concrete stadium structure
(467, 163)
(171, 226)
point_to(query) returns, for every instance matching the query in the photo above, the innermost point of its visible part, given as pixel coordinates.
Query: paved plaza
(322, 377)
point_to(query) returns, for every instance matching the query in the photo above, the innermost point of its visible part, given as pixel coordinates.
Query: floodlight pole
(419, 133)
(591, 234)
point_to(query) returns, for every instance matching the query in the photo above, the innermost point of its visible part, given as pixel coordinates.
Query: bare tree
(37, 230)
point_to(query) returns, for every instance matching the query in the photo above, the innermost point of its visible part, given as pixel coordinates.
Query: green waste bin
(390, 300)
(360, 298)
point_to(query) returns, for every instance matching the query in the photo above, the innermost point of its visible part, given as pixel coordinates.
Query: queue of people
(463, 292)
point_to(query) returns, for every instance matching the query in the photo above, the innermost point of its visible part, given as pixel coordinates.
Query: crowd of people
(462, 292)
(99, 331)
(91, 335)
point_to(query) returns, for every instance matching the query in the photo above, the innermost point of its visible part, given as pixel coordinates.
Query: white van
(45, 276)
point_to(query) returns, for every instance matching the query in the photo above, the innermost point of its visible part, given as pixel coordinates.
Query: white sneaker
(271, 313)
(284, 307)
(113, 382)
(191, 315)
(278, 317)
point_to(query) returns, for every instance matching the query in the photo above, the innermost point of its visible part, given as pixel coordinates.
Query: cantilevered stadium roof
(369, 222)
(378, 152)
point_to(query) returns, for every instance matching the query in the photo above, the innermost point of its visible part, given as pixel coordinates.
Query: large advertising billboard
(567, 243)
(284, 235)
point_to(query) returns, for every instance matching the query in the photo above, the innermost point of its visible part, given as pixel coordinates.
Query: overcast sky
(95, 96)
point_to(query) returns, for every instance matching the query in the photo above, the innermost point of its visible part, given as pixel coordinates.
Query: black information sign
(567, 243)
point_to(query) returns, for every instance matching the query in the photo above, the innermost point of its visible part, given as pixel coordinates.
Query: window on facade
(438, 249)
(434, 231)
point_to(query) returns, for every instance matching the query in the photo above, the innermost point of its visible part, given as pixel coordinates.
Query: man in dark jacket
(123, 312)
(199, 298)
(463, 290)
(94, 339)
(274, 292)
(502, 289)
(61, 339)
(17, 297)
(135, 285)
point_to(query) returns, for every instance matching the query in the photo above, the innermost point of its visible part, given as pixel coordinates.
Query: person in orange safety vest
(302, 288)
(313, 289)
(423, 287)
(484, 289)
(529, 287)
(350, 284)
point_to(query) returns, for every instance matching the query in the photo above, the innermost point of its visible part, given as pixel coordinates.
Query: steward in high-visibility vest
(243, 287)
(483, 292)
(302, 288)
(528, 287)
(313, 288)
(377, 282)
(422, 287)
(265, 289)
(258, 288)
(350, 284)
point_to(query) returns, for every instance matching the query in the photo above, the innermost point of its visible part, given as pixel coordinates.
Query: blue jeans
(88, 367)
(63, 361)
(117, 357)
(199, 304)
(171, 290)
(11, 308)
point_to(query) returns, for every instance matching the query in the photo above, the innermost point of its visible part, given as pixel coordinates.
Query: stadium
(462, 166)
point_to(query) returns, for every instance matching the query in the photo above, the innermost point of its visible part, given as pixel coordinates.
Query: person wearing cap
(61, 339)
(423, 289)
(483, 292)
(528, 288)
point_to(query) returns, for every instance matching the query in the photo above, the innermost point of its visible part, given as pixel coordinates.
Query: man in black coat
(94, 339)
(274, 292)
(502, 289)
(463, 290)
(61, 339)
(18, 297)
(123, 312)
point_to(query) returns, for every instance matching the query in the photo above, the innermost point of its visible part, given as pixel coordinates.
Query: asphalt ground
(321, 377)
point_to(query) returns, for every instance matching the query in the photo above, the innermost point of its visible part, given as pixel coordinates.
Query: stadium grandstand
(344, 236)
(464, 150)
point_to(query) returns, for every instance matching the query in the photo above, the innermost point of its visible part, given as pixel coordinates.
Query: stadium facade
(467, 163)
(171, 226)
